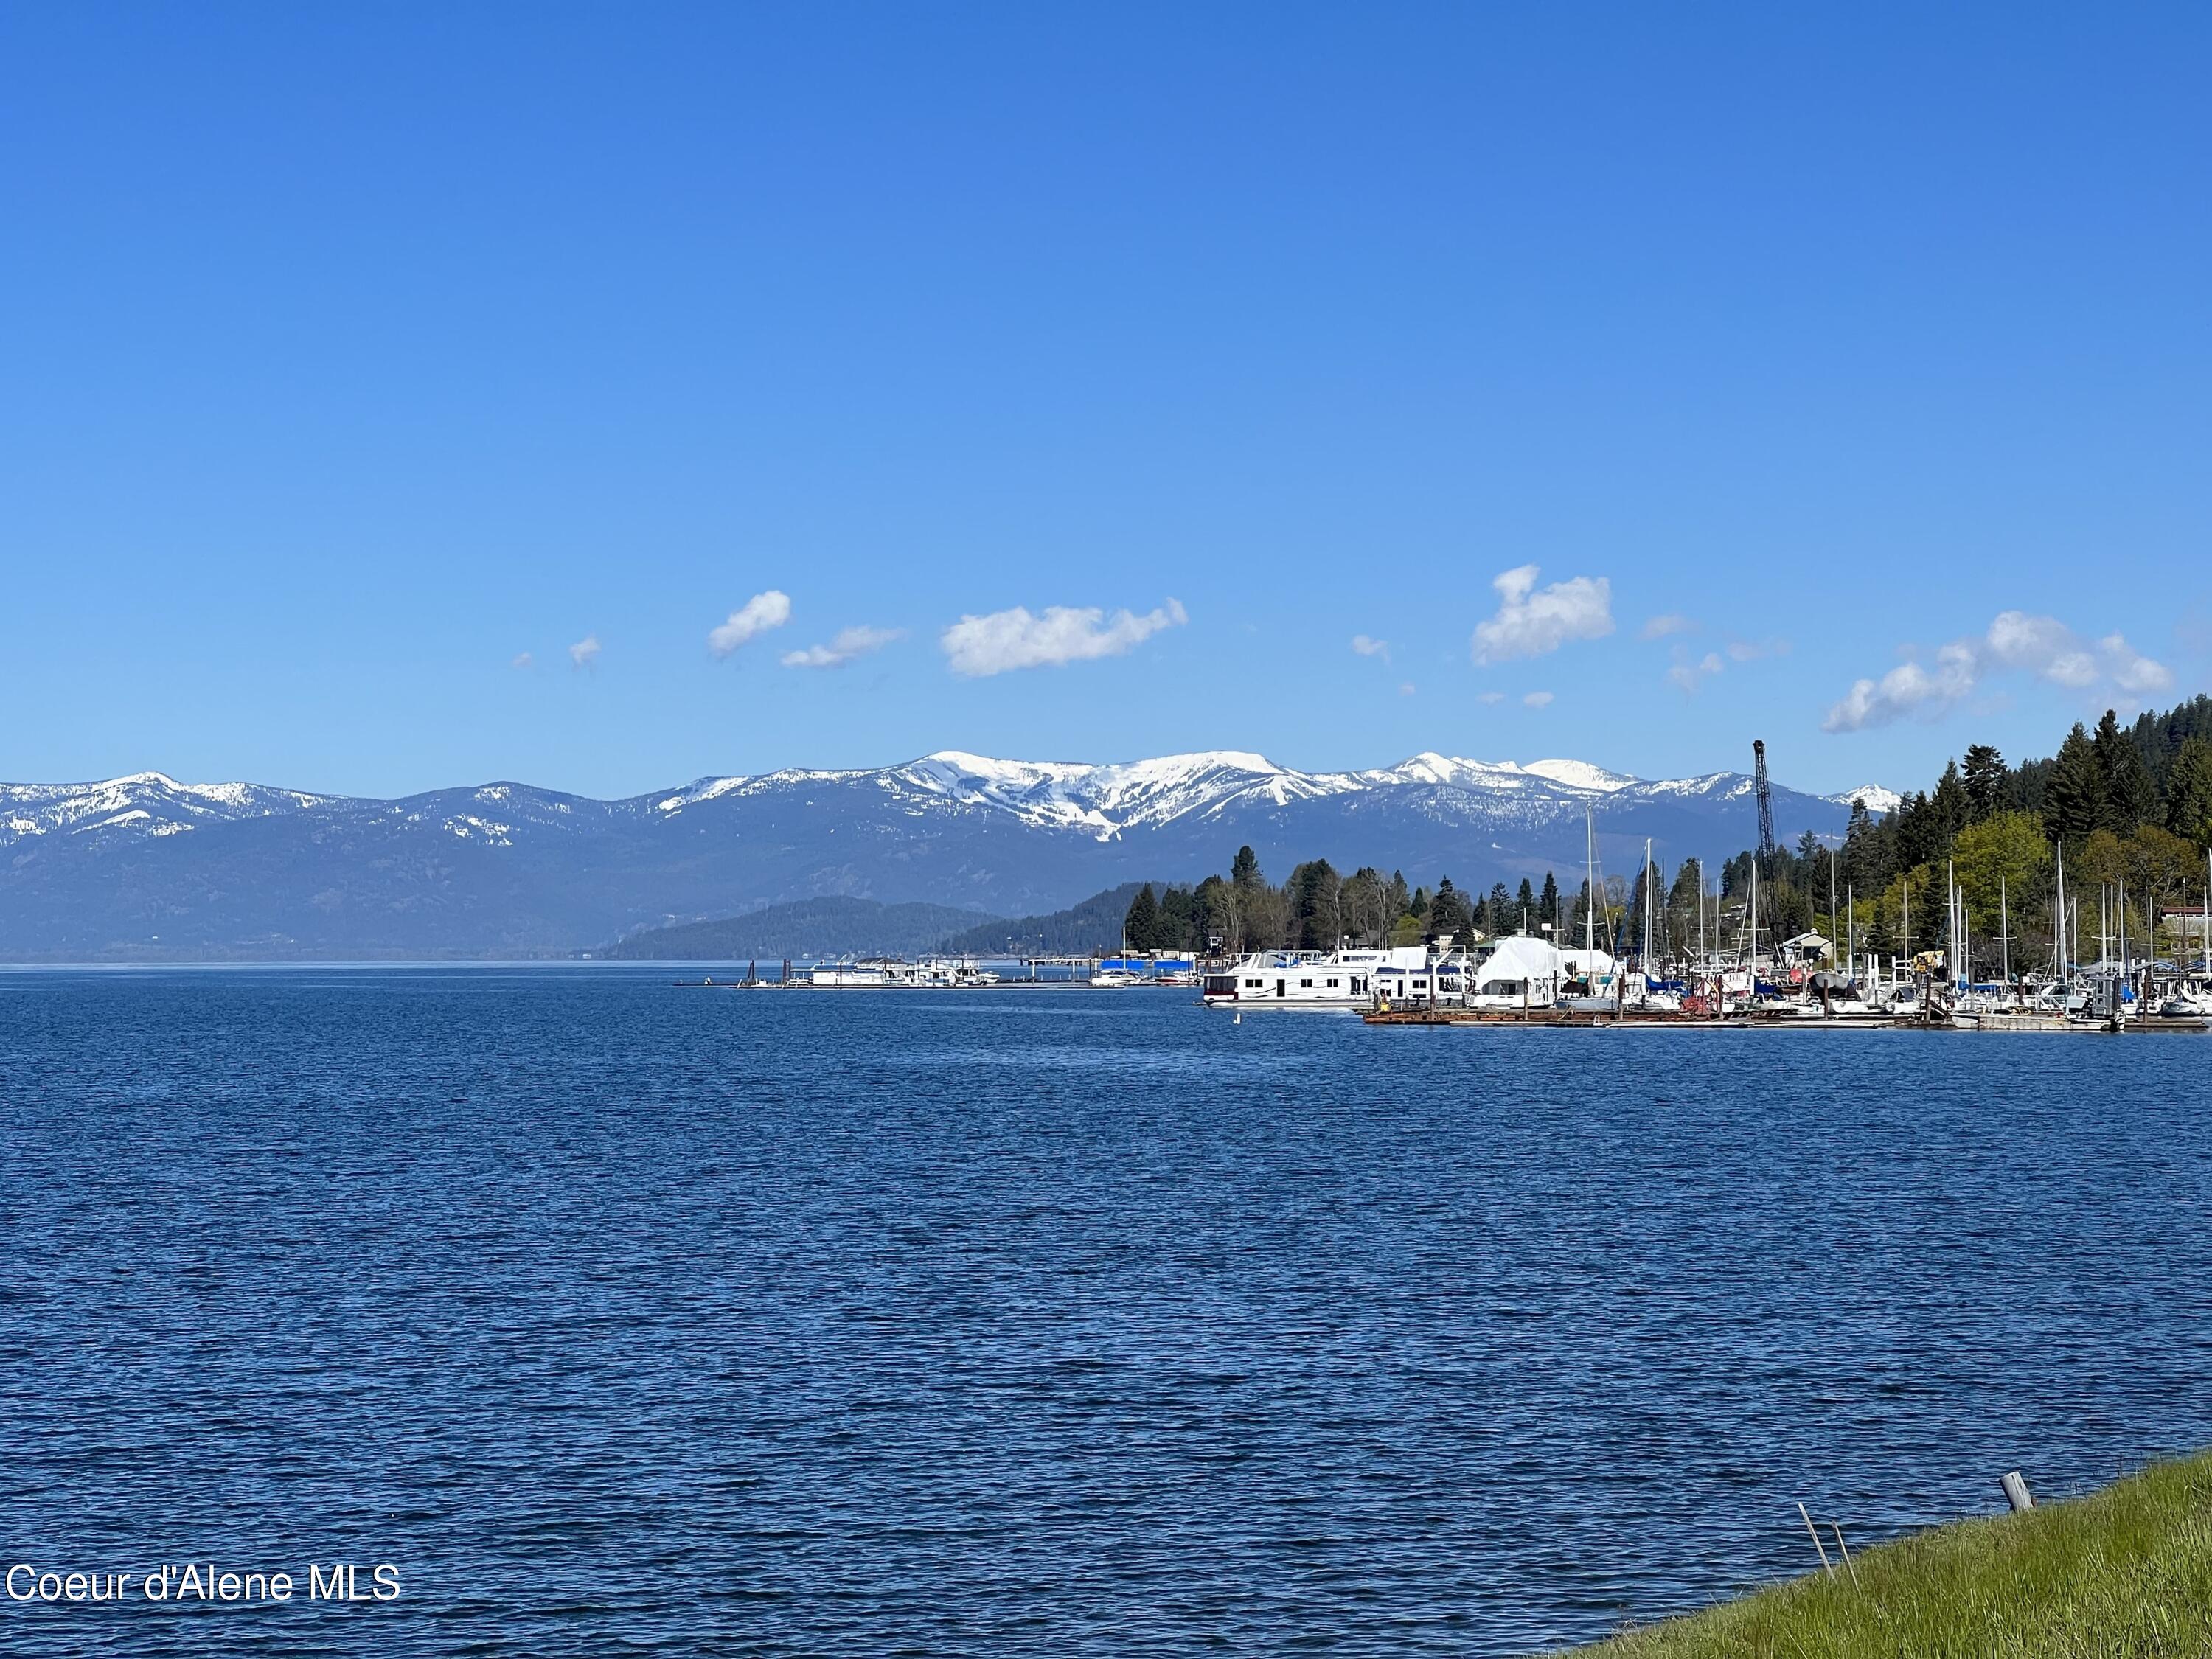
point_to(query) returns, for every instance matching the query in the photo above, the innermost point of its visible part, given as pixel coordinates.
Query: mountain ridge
(145, 865)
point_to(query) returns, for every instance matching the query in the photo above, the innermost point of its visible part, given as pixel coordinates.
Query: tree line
(2128, 805)
(1317, 908)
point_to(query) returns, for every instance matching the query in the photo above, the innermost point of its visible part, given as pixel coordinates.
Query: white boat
(1113, 979)
(845, 976)
(1316, 979)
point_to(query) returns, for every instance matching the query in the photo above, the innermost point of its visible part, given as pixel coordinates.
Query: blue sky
(1846, 377)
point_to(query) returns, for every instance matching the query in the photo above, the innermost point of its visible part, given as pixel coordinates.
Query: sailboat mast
(1590, 884)
(1951, 916)
(2058, 920)
(1753, 929)
(1647, 906)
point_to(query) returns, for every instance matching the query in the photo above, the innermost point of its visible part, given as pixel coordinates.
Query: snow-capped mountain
(145, 865)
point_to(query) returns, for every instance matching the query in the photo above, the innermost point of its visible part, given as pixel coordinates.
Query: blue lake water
(627, 1319)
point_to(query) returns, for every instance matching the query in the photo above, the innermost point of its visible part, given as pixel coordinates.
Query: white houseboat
(1313, 979)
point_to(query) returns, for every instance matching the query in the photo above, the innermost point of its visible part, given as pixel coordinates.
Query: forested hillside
(2129, 805)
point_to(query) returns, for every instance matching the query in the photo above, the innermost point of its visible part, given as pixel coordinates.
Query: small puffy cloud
(1689, 676)
(850, 643)
(976, 647)
(2130, 671)
(2042, 647)
(2047, 648)
(585, 651)
(523, 659)
(1531, 621)
(1370, 647)
(1537, 700)
(1406, 690)
(1908, 689)
(1752, 650)
(1673, 622)
(749, 621)
(1490, 697)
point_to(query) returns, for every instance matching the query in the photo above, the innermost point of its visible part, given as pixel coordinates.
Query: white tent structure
(1522, 972)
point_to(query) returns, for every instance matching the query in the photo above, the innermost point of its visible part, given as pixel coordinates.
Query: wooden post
(1825, 1565)
(2016, 1492)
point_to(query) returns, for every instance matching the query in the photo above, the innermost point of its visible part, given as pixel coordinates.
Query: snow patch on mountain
(1580, 775)
(151, 803)
(1878, 799)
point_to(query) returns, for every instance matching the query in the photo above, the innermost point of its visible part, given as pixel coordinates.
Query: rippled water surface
(627, 1319)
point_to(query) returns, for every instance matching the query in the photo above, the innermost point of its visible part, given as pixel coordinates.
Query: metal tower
(1765, 807)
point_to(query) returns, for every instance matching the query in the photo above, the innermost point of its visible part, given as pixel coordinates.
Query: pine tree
(1919, 831)
(1142, 918)
(1448, 911)
(1548, 902)
(2131, 796)
(1953, 810)
(2189, 793)
(1526, 899)
(2073, 796)
(1987, 779)
(1244, 869)
(1497, 910)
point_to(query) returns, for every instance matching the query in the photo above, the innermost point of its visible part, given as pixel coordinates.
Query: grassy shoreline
(2125, 1571)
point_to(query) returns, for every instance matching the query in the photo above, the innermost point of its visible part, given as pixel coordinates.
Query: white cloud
(1907, 689)
(1406, 690)
(1490, 697)
(749, 621)
(850, 642)
(1530, 622)
(2042, 647)
(1537, 700)
(1689, 675)
(585, 651)
(1368, 647)
(523, 659)
(1673, 622)
(2130, 671)
(1006, 640)
(1752, 650)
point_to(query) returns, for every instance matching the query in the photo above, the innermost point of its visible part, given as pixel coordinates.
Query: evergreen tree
(1448, 912)
(1548, 902)
(1920, 836)
(1144, 915)
(1526, 901)
(2131, 796)
(1987, 780)
(1177, 924)
(2189, 793)
(1952, 810)
(1497, 910)
(1244, 869)
(1316, 914)
(2073, 793)
(1866, 862)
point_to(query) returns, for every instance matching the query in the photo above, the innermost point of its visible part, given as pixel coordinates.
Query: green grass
(2124, 1572)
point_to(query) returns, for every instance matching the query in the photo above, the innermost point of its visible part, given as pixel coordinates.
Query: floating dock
(1745, 1021)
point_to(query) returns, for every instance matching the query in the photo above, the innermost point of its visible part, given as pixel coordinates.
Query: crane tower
(1765, 807)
